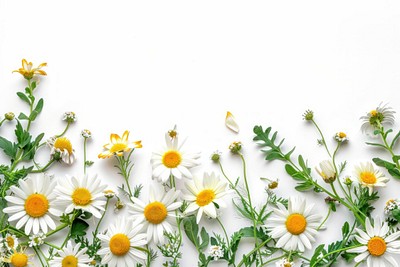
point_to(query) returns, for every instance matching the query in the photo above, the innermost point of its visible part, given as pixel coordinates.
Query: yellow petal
(125, 136)
(231, 123)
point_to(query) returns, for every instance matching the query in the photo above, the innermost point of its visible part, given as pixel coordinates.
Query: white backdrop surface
(145, 66)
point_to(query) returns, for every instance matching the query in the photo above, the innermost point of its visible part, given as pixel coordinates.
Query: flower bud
(9, 116)
(327, 171)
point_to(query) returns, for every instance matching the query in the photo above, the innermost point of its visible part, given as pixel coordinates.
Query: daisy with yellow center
(61, 149)
(71, 256)
(173, 160)
(205, 195)
(84, 194)
(18, 258)
(382, 115)
(294, 227)
(32, 204)
(122, 244)
(9, 241)
(369, 177)
(28, 71)
(377, 245)
(157, 214)
(118, 145)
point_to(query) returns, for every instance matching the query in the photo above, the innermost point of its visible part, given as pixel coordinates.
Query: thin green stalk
(251, 205)
(336, 251)
(45, 167)
(84, 155)
(30, 106)
(2, 121)
(253, 250)
(326, 218)
(59, 228)
(322, 136)
(101, 219)
(224, 230)
(51, 245)
(65, 130)
(388, 148)
(38, 255)
(274, 259)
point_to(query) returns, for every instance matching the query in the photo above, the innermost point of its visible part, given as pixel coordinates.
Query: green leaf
(24, 97)
(395, 173)
(396, 158)
(79, 228)
(191, 229)
(213, 241)
(305, 186)
(383, 163)
(205, 239)
(10, 149)
(396, 214)
(345, 229)
(37, 110)
(23, 137)
(22, 116)
(294, 173)
(317, 252)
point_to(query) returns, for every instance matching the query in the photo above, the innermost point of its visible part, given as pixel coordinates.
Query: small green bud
(308, 115)
(9, 116)
(235, 147)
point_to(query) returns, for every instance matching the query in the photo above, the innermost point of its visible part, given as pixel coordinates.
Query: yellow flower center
(342, 135)
(287, 264)
(376, 246)
(155, 212)
(81, 197)
(296, 224)
(368, 177)
(36, 205)
(118, 147)
(19, 260)
(373, 113)
(10, 241)
(119, 244)
(205, 197)
(69, 261)
(171, 159)
(63, 143)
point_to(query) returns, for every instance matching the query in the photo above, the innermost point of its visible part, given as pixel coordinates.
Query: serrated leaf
(9, 148)
(79, 228)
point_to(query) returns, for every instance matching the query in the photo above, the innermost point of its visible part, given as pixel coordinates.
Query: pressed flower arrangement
(35, 205)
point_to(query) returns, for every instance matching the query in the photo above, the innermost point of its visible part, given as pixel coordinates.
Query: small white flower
(382, 115)
(284, 263)
(36, 239)
(369, 177)
(71, 256)
(391, 204)
(377, 245)
(10, 241)
(205, 195)
(109, 193)
(69, 116)
(216, 252)
(327, 172)
(294, 227)
(341, 137)
(173, 161)
(86, 133)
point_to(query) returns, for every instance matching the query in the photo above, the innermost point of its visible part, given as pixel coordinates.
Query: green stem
(253, 250)
(39, 256)
(84, 155)
(30, 106)
(251, 205)
(51, 245)
(101, 219)
(336, 251)
(274, 259)
(224, 230)
(59, 228)
(322, 136)
(65, 130)
(388, 148)
(324, 221)
(45, 167)
(2, 121)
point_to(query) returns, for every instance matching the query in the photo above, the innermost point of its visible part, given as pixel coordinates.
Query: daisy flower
(327, 171)
(158, 214)
(9, 241)
(28, 71)
(32, 204)
(118, 145)
(367, 176)
(71, 256)
(84, 194)
(173, 161)
(18, 258)
(377, 245)
(341, 137)
(205, 195)
(61, 149)
(294, 227)
(121, 245)
(376, 118)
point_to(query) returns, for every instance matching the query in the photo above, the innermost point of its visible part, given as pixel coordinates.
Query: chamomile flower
(216, 252)
(158, 214)
(36, 240)
(71, 256)
(85, 193)
(32, 204)
(61, 149)
(377, 245)
(121, 244)
(173, 161)
(18, 258)
(382, 115)
(284, 263)
(369, 177)
(118, 145)
(28, 71)
(294, 228)
(327, 171)
(341, 137)
(9, 241)
(205, 195)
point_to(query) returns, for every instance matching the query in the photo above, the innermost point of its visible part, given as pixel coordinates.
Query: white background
(145, 66)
